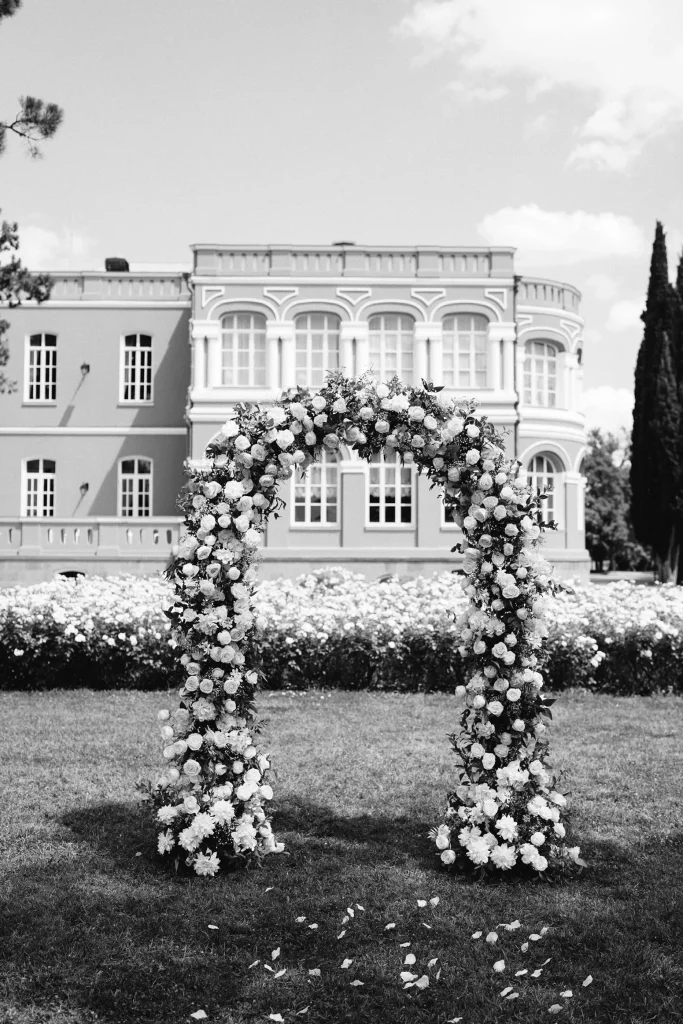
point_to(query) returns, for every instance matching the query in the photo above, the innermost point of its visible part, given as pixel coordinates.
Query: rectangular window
(464, 351)
(317, 348)
(39, 488)
(243, 350)
(136, 369)
(135, 487)
(41, 375)
(540, 374)
(316, 494)
(390, 495)
(390, 347)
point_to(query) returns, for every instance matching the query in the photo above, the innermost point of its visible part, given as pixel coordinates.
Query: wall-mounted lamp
(85, 369)
(84, 488)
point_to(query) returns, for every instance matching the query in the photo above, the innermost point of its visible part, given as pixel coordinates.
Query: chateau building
(124, 374)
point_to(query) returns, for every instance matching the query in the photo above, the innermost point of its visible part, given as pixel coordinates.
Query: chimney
(116, 265)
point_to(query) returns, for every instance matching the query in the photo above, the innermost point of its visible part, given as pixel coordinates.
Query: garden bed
(333, 629)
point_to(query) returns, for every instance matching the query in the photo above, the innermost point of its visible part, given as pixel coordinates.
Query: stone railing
(536, 291)
(352, 261)
(96, 286)
(89, 538)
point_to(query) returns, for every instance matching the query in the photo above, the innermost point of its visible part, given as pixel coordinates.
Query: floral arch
(212, 799)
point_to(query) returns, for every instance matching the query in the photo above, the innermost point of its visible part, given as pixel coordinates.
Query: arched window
(317, 348)
(464, 351)
(390, 497)
(391, 346)
(135, 487)
(39, 487)
(136, 368)
(543, 476)
(540, 373)
(41, 369)
(316, 493)
(243, 350)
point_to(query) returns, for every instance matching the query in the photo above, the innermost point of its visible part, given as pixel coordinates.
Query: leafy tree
(656, 441)
(609, 532)
(34, 122)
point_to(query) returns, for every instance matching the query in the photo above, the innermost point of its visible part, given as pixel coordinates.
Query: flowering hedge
(211, 801)
(333, 628)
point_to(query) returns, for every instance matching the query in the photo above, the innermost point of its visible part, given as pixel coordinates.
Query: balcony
(96, 286)
(104, 542)
(537, 291)
(352, 261)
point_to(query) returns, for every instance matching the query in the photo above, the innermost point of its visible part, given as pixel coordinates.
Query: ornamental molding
(211, 292)
(354, 295)
(498, 295)
(280, 295)
(428, 295)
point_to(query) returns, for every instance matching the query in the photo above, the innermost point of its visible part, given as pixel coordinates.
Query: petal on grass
(276, 1017)
(402, 945)
(434, 902)
(546, 961)
(407, 976)
(524, 947)
(422, 903)
(342, 933)
(499, 966)
(300, 920)
(199, 1015)
(426, 926)
(212, 927)
(314, 972)
(313, 927)
(275, 954)
(534, 937)
(536, 974)
(410, 959)
(492, 937)
(356, 983)
(253, 965)
(280, 973)
(267, 967)
(432, 962)
(422, 982)
(299, 1013)
(350, 911)
(567, 994)
(269, 888)
(345, 964)
(345, 919)
(506, 991)
(555, 1008)
(358, 907)
(513, 995)
(388, 927)
(518, 974)
(587, 981)
(476, 935)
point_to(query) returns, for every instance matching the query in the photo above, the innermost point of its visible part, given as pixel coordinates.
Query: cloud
(602, 286)
(623, 57)
(625, 314)
(610, 409)
(478, 93)
(43, 249)
(562, 239)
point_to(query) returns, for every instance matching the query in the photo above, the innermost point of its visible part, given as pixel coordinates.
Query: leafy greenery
(609, 532)
(94, 929)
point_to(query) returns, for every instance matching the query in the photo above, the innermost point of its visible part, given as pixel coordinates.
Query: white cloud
(625, 314)
(43, 249)
(562, 239)
(623, 57)
(478, 93)
(602, 286)
(610, 409)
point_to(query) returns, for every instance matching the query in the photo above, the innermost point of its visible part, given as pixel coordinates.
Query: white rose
(230, 428)
(513, 693)
(538, 839)
(518, 725)
(192, 768)
(495, 707)
(448, 857)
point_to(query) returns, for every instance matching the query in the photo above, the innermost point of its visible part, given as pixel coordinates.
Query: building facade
(123, 375)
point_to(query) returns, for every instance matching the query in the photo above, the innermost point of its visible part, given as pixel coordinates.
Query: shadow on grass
(98, 929)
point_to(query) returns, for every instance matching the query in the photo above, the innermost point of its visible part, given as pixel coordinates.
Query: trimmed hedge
(332, 628)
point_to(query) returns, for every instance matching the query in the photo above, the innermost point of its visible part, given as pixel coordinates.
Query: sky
(553, 127)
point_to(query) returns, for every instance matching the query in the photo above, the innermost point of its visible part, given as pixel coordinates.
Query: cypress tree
(656, 442)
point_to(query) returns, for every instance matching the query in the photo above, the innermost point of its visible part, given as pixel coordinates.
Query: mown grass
(94, 928)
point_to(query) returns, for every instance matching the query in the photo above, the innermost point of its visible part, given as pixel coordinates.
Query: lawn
(95, 929)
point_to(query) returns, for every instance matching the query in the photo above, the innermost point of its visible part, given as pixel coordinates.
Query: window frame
(135, 402)
(557, 475)
(135, 476)
(42, 476)
(472, 334)
(307, 484)
(529, 356)
(27, 366)
(382, 374)
(252, 383)
(383, 525)
(308, 331)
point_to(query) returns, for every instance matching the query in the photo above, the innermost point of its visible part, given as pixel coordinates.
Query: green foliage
(609, 532)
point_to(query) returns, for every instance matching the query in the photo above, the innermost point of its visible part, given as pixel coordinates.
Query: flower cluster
(211, 801)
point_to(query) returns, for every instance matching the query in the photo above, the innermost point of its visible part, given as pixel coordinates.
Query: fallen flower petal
(277, 1017)
(280, 973)
(313, 927)
(536, 974)
(427, 926)
(357, 982)
(388, 927)
(506, 990)
(524, 947)
(403, 944)
(499, 965)
(314, 972)
(345, 919)
(567, 994)
(267, 967)
(492, 937)
(422, 903)
(359, 907)
(346, 963)
(410, 958)
(432, 962)
(454, 1020)
(534, 937)
(275, 954)
(518, 974)
(349, 911)
(253, 965)
(300, 1012)
(407, 976)
(200, 1015)
(588, 981)
(422, 982)
(438, 974)
(269, 888)
(300, 920)
(513, 995)
(434, 902)
(476, 935)
(213, 927)
(544, 929)
(409, 984)
(555, 1008)
(342, 933)
(546, 961)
